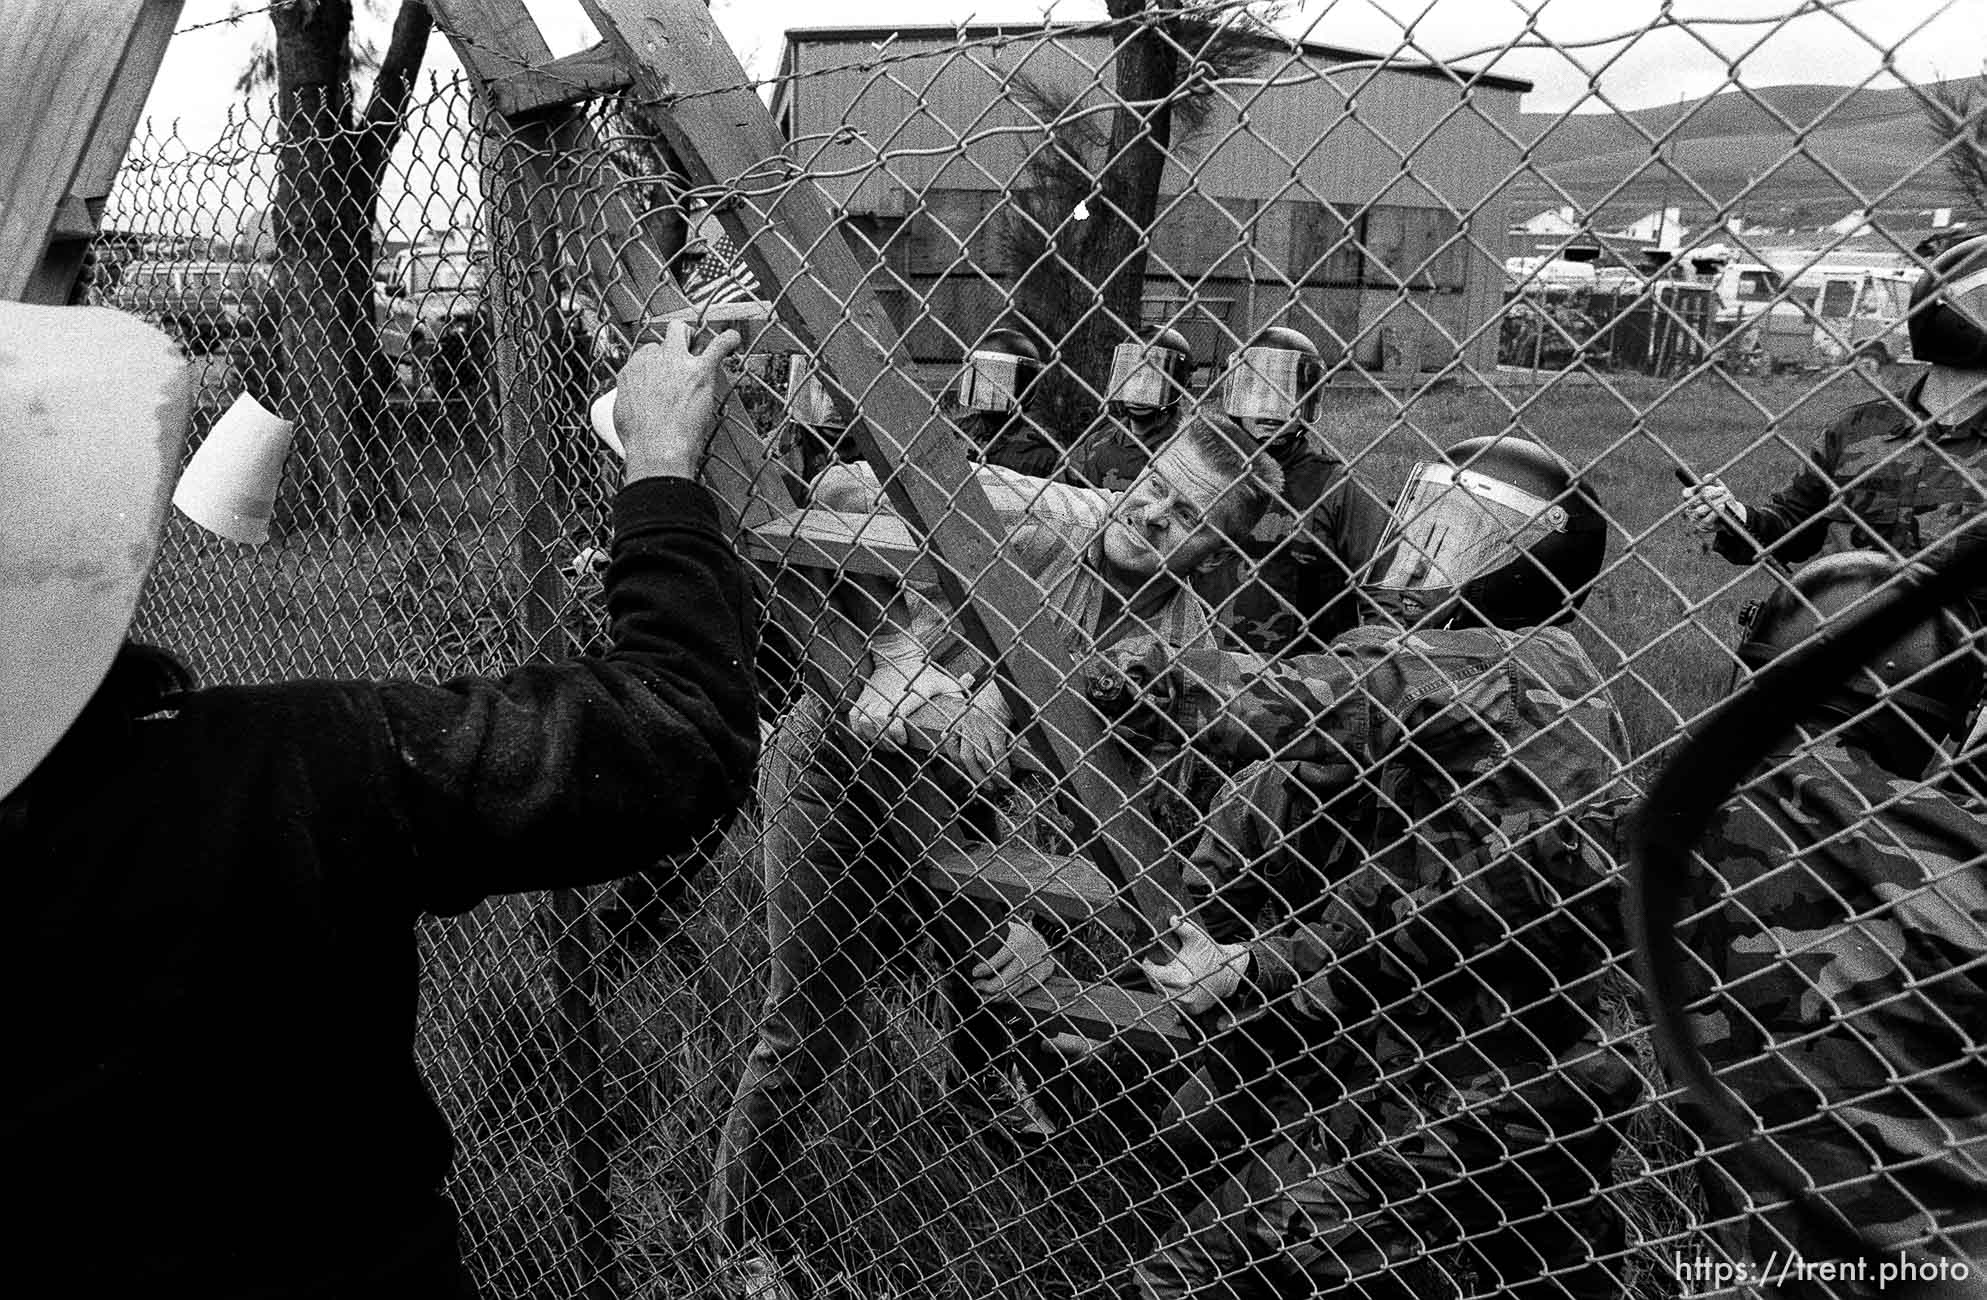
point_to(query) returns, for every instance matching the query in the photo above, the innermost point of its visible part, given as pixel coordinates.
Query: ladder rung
(835, 539)
(1138, 1019)
(73, 220)
(1021, 875)
(574, 79)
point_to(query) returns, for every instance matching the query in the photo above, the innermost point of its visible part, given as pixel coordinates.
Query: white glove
(1711, 503)
(1203, 974)
(975, 733)
(588, 562)
(1023, 963)
(893, 693)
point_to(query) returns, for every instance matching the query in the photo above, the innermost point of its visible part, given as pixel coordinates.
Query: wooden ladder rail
(542, 100)
(74, 75)
(722, 133)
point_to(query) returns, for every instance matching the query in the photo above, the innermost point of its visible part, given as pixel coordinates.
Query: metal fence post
(523, 289)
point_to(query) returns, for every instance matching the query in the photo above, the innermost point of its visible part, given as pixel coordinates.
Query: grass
(910, 1204)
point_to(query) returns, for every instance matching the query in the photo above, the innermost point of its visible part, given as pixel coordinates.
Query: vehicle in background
(433, 326)
(1861, 315)
(1745, 291)
(204, 304)
(1835, 315)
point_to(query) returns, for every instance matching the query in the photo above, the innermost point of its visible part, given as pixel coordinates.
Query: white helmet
(93, 416)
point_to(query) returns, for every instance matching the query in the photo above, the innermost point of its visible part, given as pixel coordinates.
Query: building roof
(1018, 31)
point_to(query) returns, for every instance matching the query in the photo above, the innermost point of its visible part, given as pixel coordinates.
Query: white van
(1860, 314)
(1745, 289)
(1840, 315)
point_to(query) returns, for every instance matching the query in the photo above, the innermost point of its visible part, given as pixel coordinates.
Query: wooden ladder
(74, 75)
(670, 56)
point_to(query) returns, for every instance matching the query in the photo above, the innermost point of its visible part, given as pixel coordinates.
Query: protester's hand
(893, 693)
(666, 402)
(1710, 503)
(976, 736)
(1023, 963)
(1203, 974)
(588, 562)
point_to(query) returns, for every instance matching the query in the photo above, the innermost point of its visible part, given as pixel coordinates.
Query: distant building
(1553, 221)
(1384, 214)
(1663, 229)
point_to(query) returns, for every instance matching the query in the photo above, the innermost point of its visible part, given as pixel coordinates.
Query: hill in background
(1811, 153)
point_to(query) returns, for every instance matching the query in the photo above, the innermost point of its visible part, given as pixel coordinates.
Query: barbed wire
(238, 16)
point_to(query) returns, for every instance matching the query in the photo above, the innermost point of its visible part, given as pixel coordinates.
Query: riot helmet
(1930, 677)
(1274, 379)
(997, 372)
(1948, 325)
(1499, 531)
(1150, 376)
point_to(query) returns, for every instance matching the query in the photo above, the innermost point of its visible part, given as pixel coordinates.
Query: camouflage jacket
(1475, 775)
(1025, 448)
(1111, 457)
(1294, 592)
(1839, 938)
(1877, 478)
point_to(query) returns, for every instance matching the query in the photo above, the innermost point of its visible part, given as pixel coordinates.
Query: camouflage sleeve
(1552, 891)
(1026, 452)
(1237, 705)
(1793, 525)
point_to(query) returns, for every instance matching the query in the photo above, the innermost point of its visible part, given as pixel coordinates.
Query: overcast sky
(1620, 47)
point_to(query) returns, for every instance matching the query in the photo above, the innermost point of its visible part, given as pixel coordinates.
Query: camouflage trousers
(1891, 1169)
(1345, 1206)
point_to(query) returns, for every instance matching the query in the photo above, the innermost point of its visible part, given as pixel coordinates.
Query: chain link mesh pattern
(762, 1064)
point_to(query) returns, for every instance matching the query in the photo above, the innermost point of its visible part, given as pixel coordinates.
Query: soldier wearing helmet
(1894, 475)
(1292, 592)
(997, 396)
(1414, 909)
(1838, 935)
(1150, 384)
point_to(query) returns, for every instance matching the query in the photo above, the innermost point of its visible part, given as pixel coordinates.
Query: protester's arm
(559, 774)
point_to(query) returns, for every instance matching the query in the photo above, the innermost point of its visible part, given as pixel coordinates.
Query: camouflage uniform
(1301, 558)
(1877, 479)
(1112, 457)
(1840, 930)
(1437, 811)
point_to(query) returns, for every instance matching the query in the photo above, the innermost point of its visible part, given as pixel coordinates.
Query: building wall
(921, 152)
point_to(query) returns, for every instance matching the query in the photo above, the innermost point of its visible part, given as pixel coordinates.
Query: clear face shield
(1268, 384)
(1968, 296)
(1140, 382)
(989, 381)
(1453, 524)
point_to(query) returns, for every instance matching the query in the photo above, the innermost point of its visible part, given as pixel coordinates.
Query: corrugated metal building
(1335, 202)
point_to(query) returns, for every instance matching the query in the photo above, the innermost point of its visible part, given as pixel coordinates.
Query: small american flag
(721, 275)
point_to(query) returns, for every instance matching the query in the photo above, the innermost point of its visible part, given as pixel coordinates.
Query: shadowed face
(1168, 520)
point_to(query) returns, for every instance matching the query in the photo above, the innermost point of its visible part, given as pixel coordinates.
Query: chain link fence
(765, 1061)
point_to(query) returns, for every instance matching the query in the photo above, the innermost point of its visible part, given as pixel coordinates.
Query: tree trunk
(328, 180)
(1116, 238)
